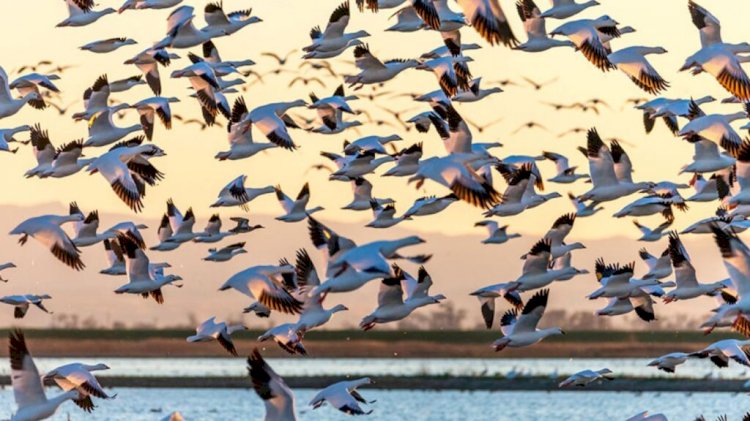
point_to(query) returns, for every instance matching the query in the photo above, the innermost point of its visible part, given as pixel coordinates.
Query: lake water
(238, 404)
(506, 367)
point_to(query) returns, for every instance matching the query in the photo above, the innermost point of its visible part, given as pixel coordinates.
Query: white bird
(454, 172)
(143, 278)
(334, 38)
(225, 253)
(384, 216)
(644, 416)
(313, 314)
(565, 173)
(102, 130)
(122, 85)
(263, 284)
(9, 105)
(563, 9)
(642, 306)
(182, 33)
(669, 362)
(296, 210)
(496, 234)
(236, 194)
(147, 4)
(127, 169)
(288, 336)
(648, 234)
(536, 29)
(362, 200)
(67, 161)
(520, 331)
(78, 377)
(393, 306)
(633, 63)
(114, 257)
(22, 303)
(583, 378)
(611, 177)
(489, 20)
(430, 205)
(240, 136)
(107, 45)
(277, 397)
(150, 108)
(223, 23)
(721, 352)
(720, 61)
(584, 33)
(46, 229)
(28, 391)
(373, 70)
(7, 136)
(82, 13)
(343, 396)
(407, 161)
(5, 266)
(558, 232)
(407, 20)
(211, 330)
(582, 209)
(685, 278)
(148, 62)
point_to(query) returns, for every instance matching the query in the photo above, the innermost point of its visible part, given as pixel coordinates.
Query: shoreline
(437, 383)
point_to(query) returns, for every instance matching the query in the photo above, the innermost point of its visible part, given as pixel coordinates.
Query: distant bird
(226, 253)
(583, 378)
(108, 45)
(496, 233)
(221, 332)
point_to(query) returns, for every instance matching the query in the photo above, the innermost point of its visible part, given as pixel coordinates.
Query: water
(237, 404)
(548, 367)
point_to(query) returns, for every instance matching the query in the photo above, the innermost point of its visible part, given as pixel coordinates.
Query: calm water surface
(552, 367)
(238, 404)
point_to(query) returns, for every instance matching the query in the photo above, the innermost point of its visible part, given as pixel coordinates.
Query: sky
(194, 177)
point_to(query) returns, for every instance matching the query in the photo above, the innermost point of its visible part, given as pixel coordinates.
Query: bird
(22, 303)
(393, 305)
(221, 332)
(277, 397)
(536, 30)
(521, 330)
(82, 13)
(343, 396)
(688, 286)
(47, 230)
(669, 362)
(334, 37)
(295, 210)
(565, 173)
(31, 401)
(563, 9)
(585, 377)
(263, 284)
(144, 279)
(496, 234)
(236, 194)
(108, 45)
(9, 105)
(372, 70)
(225, 253)
(633, 63)
(79, 377)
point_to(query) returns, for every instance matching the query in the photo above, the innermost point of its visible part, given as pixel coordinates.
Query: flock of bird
(124, 157)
